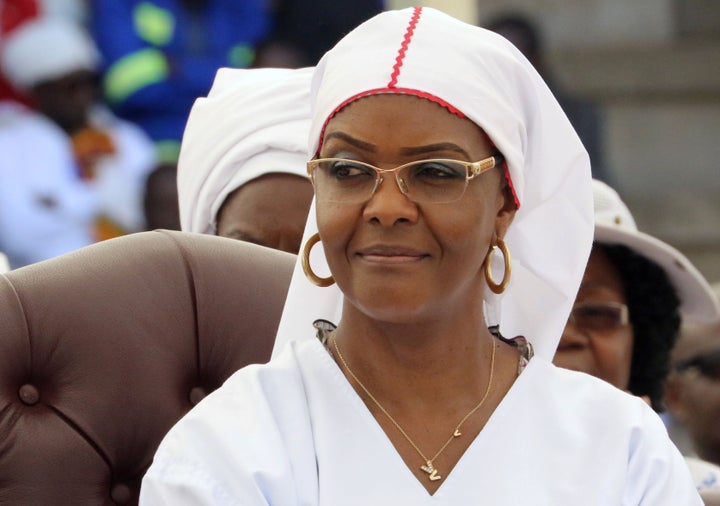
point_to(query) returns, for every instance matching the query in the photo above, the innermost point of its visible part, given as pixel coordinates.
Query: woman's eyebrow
(430, 148)
(409, 151)
(365, 146)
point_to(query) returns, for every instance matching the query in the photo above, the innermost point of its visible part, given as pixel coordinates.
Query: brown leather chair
(104, 349)
(711, 497)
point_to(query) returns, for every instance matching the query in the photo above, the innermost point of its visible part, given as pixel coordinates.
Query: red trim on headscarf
(506, 173)
(420, 94)
(404, 46)
(512, 187)
(393, 91)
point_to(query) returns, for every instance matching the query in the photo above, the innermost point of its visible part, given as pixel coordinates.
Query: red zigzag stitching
(404, 46)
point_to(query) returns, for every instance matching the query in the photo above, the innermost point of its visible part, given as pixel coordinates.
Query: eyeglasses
(599, 316)
(435, 181)
(706, 364)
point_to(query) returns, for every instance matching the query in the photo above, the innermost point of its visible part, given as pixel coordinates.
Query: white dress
(294, 432)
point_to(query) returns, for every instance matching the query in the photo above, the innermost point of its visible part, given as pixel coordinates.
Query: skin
(161, 199)
(693, 399)
(270, 211)
(606, 355)
(67, 100)
(412, 277)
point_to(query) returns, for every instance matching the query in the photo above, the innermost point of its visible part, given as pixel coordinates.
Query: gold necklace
(429, 468)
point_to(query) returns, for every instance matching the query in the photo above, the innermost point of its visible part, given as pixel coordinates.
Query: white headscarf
(253, 122)
(46, 48)
(479, 74)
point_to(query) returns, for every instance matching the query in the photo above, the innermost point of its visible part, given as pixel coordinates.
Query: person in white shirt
(453, 202)
(71, 173)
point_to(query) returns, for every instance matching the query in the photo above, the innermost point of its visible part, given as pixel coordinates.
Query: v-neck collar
(342, 389)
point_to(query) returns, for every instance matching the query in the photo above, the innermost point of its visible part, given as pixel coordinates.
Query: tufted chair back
(104, 349)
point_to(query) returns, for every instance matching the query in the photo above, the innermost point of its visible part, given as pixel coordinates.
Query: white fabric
(45, 208)
(72, 10)
(490, 81)
(4, 265)
(294, 432)
(706, 475)
(614, 224)
(46, 48)
(253, 122)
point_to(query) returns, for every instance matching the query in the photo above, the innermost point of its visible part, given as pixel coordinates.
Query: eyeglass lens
(423, 181)
(598, 315)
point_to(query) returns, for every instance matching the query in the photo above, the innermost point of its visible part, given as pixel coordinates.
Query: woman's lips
(391, 254)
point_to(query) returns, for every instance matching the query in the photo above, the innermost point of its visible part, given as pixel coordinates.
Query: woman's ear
(506, 208)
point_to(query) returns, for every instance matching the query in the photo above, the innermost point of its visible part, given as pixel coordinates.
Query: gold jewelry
(429, 468)
(305, 262)
(498, 287)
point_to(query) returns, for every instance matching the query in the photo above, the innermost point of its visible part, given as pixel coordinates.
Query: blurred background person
(242, 171)
(71, 173)
(14, 12)
(584, 115)
(635, 291)
(160, 200)
(692, 396)
(160, 55)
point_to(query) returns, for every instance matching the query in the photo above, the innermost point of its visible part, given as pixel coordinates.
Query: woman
(241, 172)
(634, 293)
(413, 399)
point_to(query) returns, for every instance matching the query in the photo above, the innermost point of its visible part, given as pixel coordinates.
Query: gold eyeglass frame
(473, 169)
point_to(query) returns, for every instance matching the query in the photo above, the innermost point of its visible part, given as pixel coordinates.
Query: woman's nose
(389, 205)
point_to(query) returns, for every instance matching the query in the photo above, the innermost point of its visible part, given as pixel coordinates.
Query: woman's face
(605, 353)
(67, 100)
(270, 210)
(396, 260)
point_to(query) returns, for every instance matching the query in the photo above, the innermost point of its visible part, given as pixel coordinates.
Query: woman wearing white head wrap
(241, 171)
(412, 399)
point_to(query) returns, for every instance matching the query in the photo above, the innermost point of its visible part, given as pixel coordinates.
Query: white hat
(478, 74)
(44, 49)
(253, 122)
(615, 225)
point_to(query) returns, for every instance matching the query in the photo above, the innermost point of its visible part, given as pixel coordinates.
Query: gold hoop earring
(498, 287)
(305, 262)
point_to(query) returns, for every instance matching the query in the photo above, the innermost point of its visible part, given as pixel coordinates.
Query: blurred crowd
(94, 98)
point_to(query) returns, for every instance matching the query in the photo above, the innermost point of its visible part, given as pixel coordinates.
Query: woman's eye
(595, 312)
(436, 170)
(344, 170)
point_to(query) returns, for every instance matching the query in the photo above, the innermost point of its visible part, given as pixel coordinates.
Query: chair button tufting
(29, 394)
(120, 494)
(196, 395)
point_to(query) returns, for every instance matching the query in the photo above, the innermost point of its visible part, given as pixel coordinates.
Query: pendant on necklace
(432, 472)
(457, 433)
